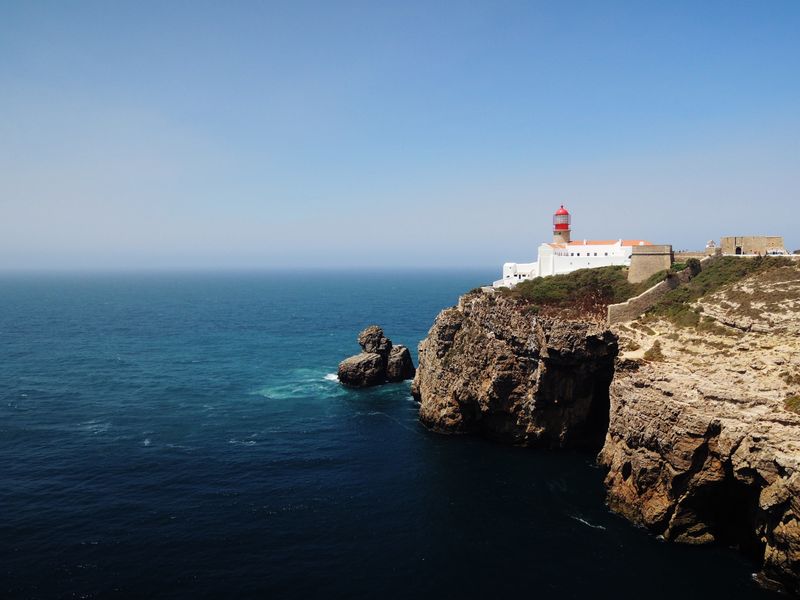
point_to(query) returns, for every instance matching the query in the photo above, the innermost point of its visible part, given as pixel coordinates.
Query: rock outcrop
(700, 424)
(373, 341)
(490, 368)
(363, 370)
(380, 361)
(701, 446)
(399, 365)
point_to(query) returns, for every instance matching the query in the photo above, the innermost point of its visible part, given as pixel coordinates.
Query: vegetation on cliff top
(676, 305)
(588, 292)
(582, 292)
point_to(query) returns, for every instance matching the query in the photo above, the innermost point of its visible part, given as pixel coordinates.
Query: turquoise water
(180, 436)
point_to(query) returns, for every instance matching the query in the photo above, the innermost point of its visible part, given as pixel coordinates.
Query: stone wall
(634, 307)
(648, 260)
(687, 254)
(751, 244)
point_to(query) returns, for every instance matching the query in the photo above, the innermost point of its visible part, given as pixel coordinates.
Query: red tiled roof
(609, 243)
(603, 243)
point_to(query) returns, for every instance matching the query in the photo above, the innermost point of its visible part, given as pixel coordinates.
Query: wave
(585, 522)
(236, 442)
(95, 426)
(303, 383)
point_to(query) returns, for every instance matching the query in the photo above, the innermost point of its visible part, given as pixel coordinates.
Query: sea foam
(585, 522)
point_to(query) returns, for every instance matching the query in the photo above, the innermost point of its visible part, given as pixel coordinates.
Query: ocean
(182, 435)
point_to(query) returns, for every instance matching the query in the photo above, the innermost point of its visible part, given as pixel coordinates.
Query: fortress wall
(684, 256)
(647, 260)
(634, 307)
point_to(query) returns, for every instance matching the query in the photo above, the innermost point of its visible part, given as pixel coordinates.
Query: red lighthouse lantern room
(561, 226)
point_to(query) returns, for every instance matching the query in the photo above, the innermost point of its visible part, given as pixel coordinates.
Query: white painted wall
(559, 260)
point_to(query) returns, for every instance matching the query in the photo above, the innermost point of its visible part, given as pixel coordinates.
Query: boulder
(373, 340)
(399, 366)
(363, 370)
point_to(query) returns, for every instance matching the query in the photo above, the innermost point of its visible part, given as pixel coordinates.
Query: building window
(595, 253)
(606, 253)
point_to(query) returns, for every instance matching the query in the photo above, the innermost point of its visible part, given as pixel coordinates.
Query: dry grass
(791, 378)
(677, 305)
(632, 346)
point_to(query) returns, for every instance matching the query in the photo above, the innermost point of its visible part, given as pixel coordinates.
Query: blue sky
(366, 134)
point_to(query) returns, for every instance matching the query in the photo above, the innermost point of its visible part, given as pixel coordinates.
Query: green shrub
(792, 403)
(605, 284)
(654, 279)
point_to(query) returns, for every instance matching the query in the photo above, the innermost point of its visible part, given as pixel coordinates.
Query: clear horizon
(310, 135)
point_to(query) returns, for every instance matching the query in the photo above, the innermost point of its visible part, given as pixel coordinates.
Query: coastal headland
(691, 406)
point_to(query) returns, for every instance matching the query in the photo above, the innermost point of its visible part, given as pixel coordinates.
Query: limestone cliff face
(701, 446)
(702, 437)
(489, 368)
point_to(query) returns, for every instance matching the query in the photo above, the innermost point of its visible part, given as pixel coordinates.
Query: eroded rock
(399, 366)
(363, 370)
(701, 446)
(373, 340)
(380, 362)
(489, 367)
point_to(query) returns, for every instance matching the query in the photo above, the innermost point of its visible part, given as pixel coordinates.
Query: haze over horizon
(319, 135)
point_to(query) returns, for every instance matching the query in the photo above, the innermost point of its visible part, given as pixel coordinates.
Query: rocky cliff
(702, 437)
(490, 367)
(701, 445)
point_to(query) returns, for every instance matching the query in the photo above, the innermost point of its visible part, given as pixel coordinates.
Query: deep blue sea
(181, 436)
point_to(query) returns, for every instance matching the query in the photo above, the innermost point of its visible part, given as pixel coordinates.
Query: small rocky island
(379, 361)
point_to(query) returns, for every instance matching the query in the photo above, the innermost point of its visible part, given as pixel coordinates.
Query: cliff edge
(703, 442)
(489, 366)
(697, 416)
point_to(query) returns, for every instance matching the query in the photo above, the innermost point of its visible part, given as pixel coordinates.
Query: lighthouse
(561, 223)
(562, 255)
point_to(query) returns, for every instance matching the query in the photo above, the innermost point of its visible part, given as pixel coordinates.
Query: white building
(563, 255)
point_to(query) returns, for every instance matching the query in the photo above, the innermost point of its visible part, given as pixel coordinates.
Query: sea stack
(379, 362)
